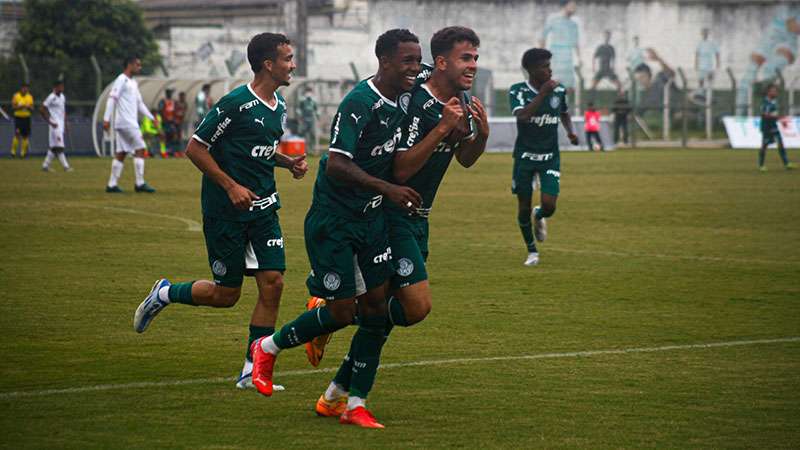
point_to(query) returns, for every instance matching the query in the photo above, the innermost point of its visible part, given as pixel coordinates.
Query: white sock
(248, 367)
(268, 345)
(355, 402)
(163, 294)
(116, 172)
(48, 159)
(63, 159)
(138, 169)
(334, 391)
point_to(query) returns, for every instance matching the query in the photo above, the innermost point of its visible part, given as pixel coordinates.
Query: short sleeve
(350, 120)
(215, 123)
(564, 107)
(516, 99)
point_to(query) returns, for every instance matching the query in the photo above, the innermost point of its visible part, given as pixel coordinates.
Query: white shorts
(129, 140)
(57, 136)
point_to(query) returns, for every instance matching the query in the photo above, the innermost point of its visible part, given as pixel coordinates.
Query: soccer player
(538, 104)
(605, 55)
(431, 138)
(125, 102)
(54, 112)
(591, 125)
(706, 59)
(769, 128)
(22, 104)
(564, 37)
(236, 149)
(345, 229)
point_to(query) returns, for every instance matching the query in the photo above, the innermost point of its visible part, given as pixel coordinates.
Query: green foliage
(57, 37)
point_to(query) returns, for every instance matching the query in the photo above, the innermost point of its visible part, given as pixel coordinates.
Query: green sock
(782, 153)
(761, 153)
(255, 333)
(181, 293)
(367, 344)
(306, 327)
(524, 221)
(396, 313)
(344, 374)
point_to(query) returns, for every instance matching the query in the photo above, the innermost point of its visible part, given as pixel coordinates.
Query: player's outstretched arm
(525, 114)
(343, 169)
(472, 149)
(409, 162)
(240, 196)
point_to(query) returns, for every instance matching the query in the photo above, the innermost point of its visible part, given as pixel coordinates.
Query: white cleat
(245, 380)
(533, 259)
(539, 226)
(150, 307)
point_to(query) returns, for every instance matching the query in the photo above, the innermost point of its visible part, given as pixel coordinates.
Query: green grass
(648, 248)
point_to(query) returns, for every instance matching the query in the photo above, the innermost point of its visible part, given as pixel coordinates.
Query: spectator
(166, 107)
(202, 103)
(180, 122)
(621, 110)
(591, 125)
(308, 115)
(605, 55)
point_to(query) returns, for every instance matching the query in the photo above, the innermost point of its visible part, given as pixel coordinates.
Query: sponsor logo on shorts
(331, 281)
(373, 203)
(218, 268)
(265, 202)
(405, 267)
(220, 129)
(554, 173)
(383, 257)
(275, 242)
(247, 105)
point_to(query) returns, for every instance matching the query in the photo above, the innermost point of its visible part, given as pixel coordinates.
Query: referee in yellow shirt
(22, 103)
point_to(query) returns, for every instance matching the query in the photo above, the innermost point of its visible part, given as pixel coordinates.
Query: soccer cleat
(69, 169)
(762, 168)
(150, 307)
(263, 363)
(113, 190)
(46, 169)
(316, 347)
(144, 188)
(790, 166)
(245, 380)
(331, 408)
(539, 226)
(359, 416)
(533, 259)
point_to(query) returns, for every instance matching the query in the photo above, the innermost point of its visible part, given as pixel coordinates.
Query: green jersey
(242, 132)
(423, 113)
(366, 129)
(539, 135)
(769, 106)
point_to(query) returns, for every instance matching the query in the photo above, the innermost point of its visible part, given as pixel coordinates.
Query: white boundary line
(434, 362)
(666, 256)
(191, 225)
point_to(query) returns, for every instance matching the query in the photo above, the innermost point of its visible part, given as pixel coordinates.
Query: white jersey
(125, 101)
(56, 105)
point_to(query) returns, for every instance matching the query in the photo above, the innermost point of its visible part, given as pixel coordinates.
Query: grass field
(657, 250)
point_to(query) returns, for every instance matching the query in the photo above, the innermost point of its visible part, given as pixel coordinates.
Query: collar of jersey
(428, 90)
(528, 83)
(274, 95)
(372, 86)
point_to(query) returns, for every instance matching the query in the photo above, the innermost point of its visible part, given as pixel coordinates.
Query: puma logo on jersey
(385, 122)
(261, 121)
(355, 117)
(219, 111)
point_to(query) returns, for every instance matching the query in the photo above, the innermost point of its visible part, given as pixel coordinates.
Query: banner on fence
(745, 132)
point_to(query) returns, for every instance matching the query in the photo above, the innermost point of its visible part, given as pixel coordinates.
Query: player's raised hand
(452, 112)
(299, 167)
(241, 197)
(548, 87)
(480, 116)
(404, 196)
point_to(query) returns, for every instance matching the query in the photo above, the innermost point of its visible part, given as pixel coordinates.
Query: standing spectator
(166, 108)
(54, 111)
(563, 33)
(180, 121)
(706, 59)
(621, 110)
(22, 104)
(635, 55)
(591, 125)
(605, 55)
(202, 103)
(308, 114)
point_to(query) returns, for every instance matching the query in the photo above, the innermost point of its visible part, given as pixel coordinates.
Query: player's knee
(344, 313)
(273, 280)
(548, 209)
(226, 297)
(418, 312)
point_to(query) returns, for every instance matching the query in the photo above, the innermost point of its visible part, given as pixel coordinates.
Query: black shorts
(23, 126)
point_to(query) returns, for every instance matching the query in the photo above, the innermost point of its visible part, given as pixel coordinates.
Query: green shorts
(770, 136)
(347, 257)
(408, 237)
(523, 177)
(239, 248)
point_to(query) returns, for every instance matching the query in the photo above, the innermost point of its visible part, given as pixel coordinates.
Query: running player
(769, 129)
(236, 149)
(125, 102)
(431, 138)
(345, 229)
(53, 111)
(538, 104)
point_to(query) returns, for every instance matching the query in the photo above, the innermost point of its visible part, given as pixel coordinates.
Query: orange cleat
(316, 347)
(263, 363)
(361, 417)
(332, 408)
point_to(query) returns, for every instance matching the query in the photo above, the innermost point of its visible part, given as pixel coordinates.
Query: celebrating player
(431, 137)
(345, 229)
(53, 111)
(538, 103)
(769, 129)
(236, 149)
(125, 102)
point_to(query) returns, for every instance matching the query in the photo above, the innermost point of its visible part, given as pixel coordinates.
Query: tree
(58, 37)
